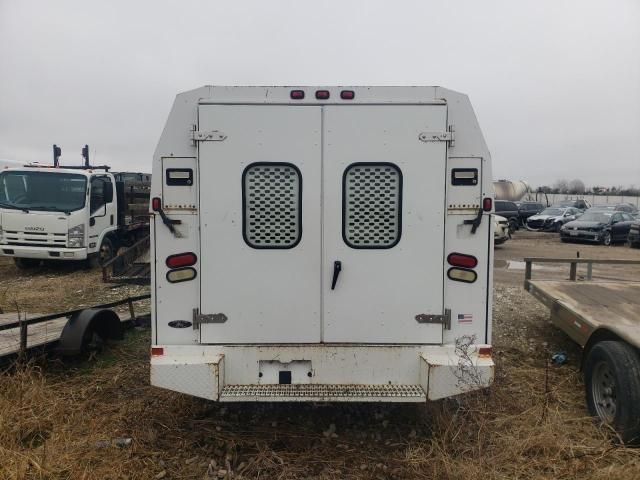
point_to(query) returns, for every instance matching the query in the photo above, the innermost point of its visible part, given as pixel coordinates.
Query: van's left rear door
(260, 223)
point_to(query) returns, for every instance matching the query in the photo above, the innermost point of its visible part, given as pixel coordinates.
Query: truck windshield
(48, 191)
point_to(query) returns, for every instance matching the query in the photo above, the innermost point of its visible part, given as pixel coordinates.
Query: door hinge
(207, 136)
(445, 319)
(448, 136)
(199, 318)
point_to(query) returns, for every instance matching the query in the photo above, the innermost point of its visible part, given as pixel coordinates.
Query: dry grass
(58, 420)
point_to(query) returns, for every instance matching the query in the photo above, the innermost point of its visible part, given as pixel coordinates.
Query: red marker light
(484, 351)
(347, 94)
(156, 204)
(487, 204)
(181, 260)
(297, 94)
(322, 94)
(462, 260)
(157, 351)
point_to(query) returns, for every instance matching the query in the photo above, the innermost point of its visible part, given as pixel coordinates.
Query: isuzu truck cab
(321, 244)
(81, 214)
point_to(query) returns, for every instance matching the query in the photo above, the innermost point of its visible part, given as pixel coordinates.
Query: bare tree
(561, 186)
(576, 186)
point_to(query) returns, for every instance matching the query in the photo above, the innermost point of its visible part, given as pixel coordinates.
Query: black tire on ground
(564, 240)
(607, 239)
(557, 226)
(513, 225)
(26, 263)
(612, 381)
(105, 253)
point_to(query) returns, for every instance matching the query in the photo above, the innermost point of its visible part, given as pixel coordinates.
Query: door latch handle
(337, 268)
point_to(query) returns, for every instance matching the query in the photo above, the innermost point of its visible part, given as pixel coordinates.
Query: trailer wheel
(88, 329)
(612, 381)
(26, 263)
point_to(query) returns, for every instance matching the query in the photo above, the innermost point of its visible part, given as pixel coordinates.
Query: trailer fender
(80, 328)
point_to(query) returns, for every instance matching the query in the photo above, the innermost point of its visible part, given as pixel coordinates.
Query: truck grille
(15, 237)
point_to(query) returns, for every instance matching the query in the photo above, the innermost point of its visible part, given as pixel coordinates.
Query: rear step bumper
(320, 373)
(322, 393)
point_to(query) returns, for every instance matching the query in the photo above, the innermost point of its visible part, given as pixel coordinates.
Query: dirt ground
(73, 419)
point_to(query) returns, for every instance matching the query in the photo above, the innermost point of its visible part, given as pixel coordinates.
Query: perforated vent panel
(272, 205)
(372, 205)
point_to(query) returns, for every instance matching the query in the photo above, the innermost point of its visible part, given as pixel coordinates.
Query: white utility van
(321, 244)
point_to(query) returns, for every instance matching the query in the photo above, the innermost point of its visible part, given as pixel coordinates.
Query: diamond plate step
(322, 393)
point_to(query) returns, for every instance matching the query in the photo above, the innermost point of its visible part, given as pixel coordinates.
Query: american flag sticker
(465, 318)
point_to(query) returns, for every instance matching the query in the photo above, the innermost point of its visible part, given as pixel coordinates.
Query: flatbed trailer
(69, 331)
(603, 317)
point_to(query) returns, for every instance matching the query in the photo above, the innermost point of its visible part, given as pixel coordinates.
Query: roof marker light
(181, 260)
(462, 260)
(347, 94)
(322, 94)
(297, 94)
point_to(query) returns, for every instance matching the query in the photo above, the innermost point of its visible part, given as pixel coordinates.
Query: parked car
(602, 226)
(508, 210)
(634, 234)
(579, 203)
(501, 231)
(619, 207)
(528, 209)
(552, 218)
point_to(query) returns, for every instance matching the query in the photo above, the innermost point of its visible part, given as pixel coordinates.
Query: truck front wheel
(26, 263)
(103, 255)
(612, 380)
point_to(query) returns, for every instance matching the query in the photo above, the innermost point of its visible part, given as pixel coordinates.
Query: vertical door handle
(337, 268)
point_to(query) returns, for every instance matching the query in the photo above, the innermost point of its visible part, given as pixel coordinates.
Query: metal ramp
(322, 393)
(131, 265)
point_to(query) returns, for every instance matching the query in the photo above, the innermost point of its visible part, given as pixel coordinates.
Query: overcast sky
(555, 84)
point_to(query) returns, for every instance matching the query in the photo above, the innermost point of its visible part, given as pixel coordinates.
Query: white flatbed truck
(79, 213)
(321, 244)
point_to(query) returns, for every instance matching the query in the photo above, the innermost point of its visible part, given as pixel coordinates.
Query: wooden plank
(612, 305)
(37, 335)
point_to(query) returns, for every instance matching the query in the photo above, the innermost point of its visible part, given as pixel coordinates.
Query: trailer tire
(26, 263)
(612, 382)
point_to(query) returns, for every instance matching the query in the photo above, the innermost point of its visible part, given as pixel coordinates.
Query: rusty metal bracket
(444, 320)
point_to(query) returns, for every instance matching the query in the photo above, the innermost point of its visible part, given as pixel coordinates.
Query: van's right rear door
(383, 223)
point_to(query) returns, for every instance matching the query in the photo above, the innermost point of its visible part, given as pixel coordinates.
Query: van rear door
(383, 228)
(260, 223)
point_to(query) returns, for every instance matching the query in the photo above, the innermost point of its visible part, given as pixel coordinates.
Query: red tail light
(156, 204)
(181, 260)
(484, 351)
(157, 351)
(347, 94)
(487, 204)
(297, 94)
(322, 94)
(462, 260)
